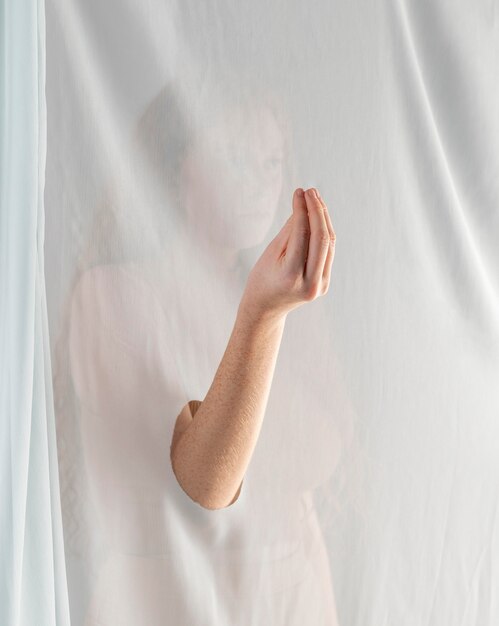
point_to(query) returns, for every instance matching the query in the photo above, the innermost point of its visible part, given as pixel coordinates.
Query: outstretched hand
(296, 266)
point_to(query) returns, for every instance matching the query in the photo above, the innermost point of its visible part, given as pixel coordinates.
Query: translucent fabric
(33, 585)
(177, 133)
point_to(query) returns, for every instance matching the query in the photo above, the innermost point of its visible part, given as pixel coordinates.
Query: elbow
(208, 501)
(211, 505)
(231, 502)
(215, 504)
(193, 495)
(206, 498)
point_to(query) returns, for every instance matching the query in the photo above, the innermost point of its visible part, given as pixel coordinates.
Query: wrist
(254, 315)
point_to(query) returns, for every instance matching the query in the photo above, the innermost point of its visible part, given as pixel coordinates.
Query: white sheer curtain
(176, 134)
(33, 586)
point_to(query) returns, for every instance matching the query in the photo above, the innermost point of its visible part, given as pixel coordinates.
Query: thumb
(281, 239)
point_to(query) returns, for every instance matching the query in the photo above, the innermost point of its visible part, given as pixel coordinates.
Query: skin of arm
(213, 440)
(210, 453)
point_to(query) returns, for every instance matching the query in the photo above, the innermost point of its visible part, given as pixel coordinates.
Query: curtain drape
(149, 154)
(33, 586)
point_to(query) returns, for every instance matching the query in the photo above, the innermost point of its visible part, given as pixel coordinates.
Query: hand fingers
(297, 250)
(319, 239)
(326, 274)
(281, 239)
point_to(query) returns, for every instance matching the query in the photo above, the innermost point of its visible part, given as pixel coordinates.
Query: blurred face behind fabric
(231, 178)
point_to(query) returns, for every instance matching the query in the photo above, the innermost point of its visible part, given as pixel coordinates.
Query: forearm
(211, 456)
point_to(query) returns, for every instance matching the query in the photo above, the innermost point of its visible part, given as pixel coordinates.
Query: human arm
(212, 447)
(213, 441)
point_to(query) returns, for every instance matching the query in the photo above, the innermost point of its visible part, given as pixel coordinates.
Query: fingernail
(299, 192)
(311, 192)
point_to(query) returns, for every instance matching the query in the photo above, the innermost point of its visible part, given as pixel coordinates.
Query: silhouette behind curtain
(177, 133)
